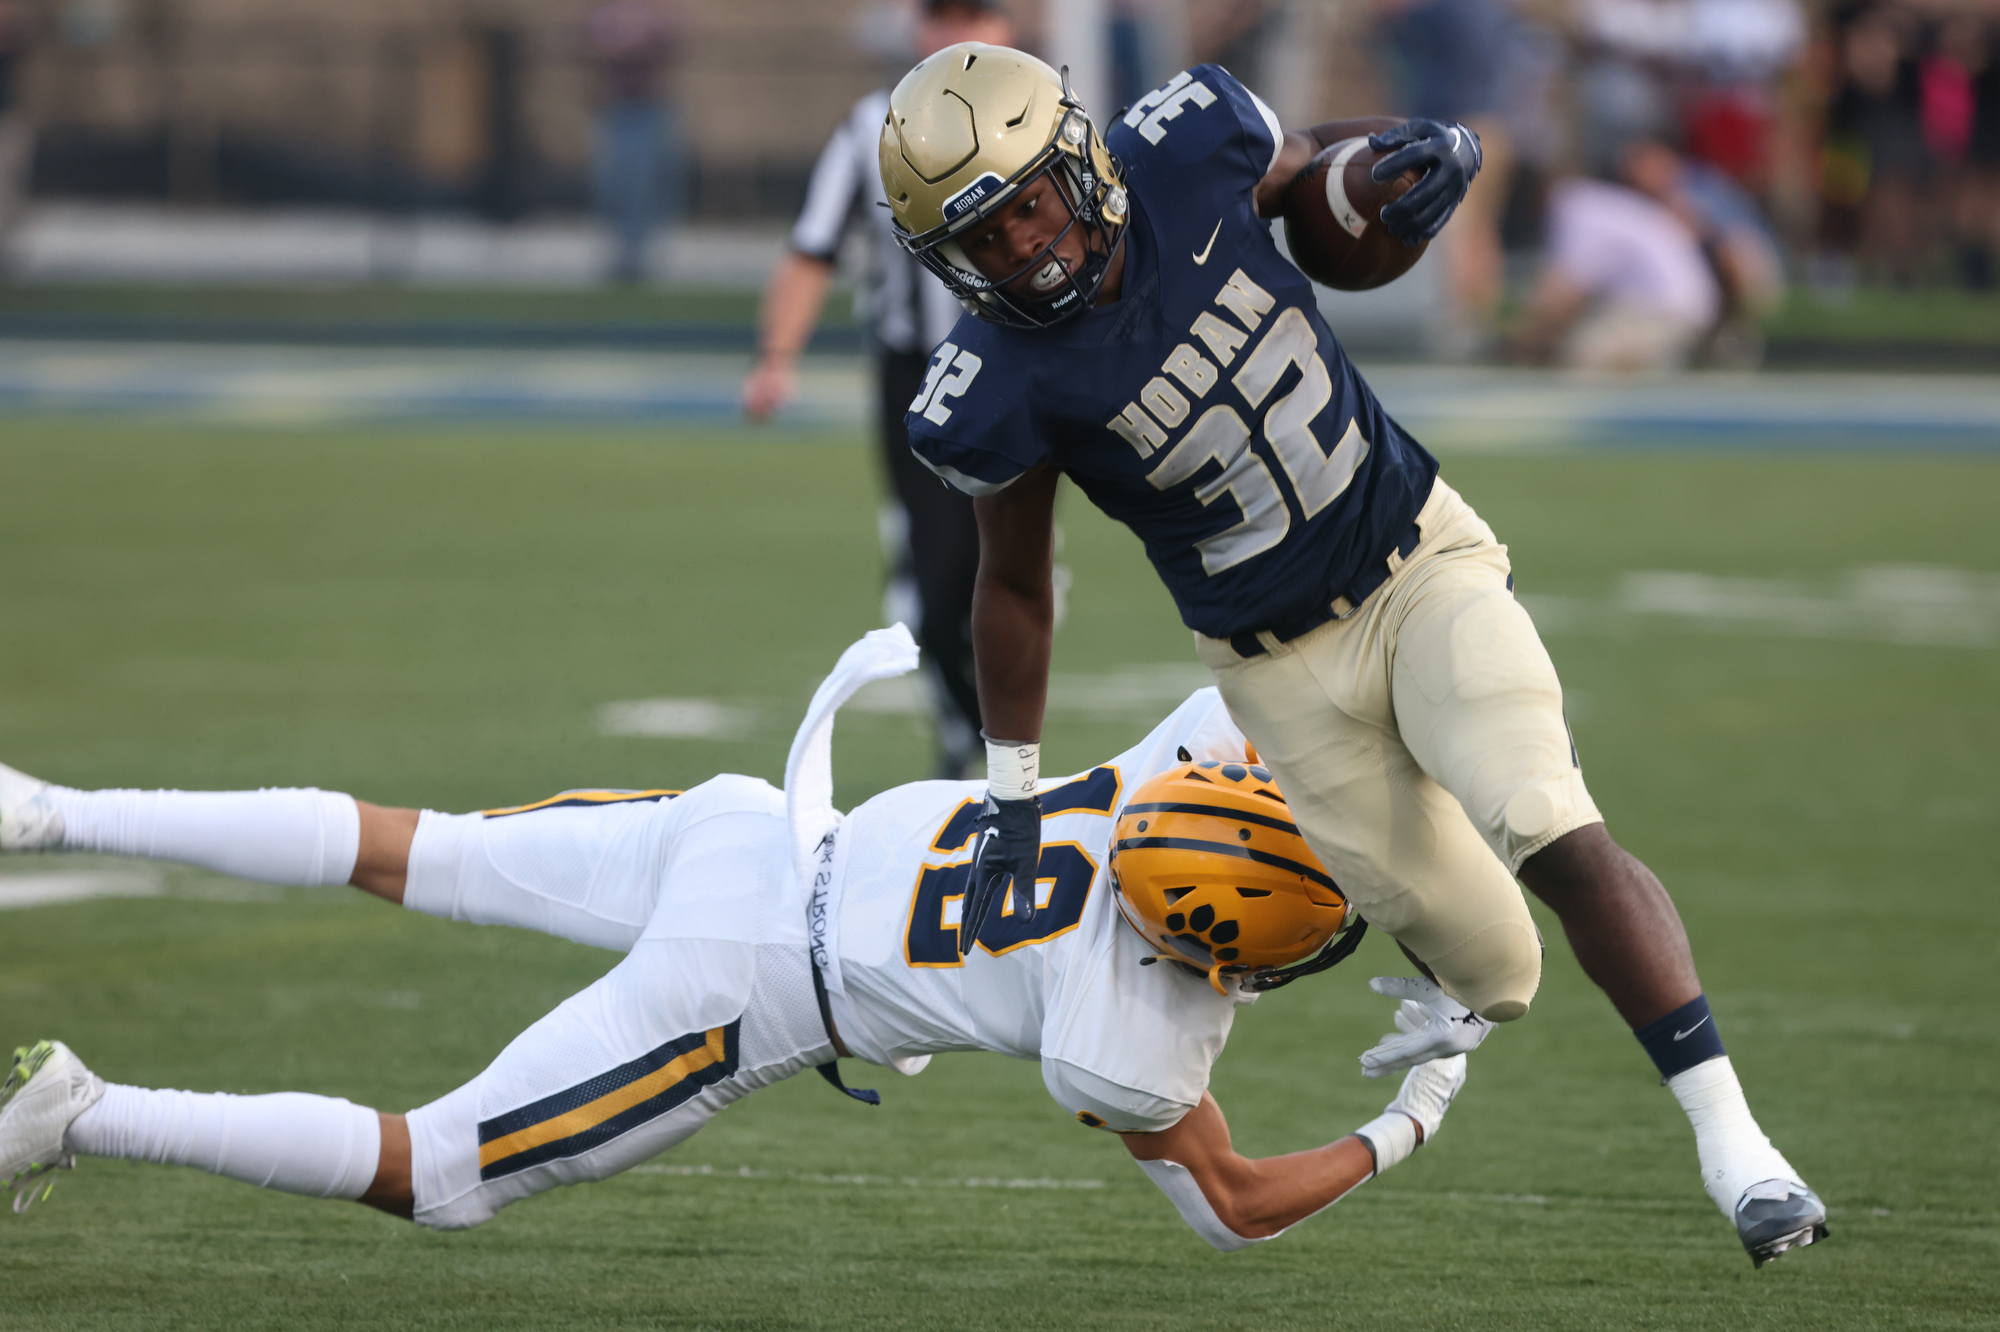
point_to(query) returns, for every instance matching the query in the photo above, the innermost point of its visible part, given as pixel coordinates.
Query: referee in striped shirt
(929, 531)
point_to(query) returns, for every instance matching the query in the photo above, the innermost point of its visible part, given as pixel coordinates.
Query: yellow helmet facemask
(967, 130)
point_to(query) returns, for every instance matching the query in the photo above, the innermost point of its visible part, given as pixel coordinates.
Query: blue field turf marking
(1473, 409)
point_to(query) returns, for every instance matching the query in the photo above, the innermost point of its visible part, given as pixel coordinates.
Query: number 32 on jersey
(1062, 882)
(1221, 437)
(940, 387)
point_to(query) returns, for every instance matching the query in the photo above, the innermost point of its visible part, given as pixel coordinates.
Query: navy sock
(1682, 1039)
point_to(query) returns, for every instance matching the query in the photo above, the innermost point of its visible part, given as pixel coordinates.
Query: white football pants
(1422, 747)
(713, 1000)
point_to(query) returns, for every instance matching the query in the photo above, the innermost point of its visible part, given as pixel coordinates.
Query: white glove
(1428, 1091)
(1434, 1026)
(1426, 1094)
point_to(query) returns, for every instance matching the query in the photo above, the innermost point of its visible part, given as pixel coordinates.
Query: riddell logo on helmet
(971, 196)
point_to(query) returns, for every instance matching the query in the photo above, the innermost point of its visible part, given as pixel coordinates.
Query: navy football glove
(1008, 850)
(1448, 155)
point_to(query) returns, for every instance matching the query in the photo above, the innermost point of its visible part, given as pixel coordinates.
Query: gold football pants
(1421, 744)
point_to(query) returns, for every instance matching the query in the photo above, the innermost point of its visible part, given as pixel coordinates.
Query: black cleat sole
(1771, 1226)
(1767, 1250)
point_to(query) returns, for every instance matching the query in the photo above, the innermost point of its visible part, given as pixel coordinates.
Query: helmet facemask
(1074, 162)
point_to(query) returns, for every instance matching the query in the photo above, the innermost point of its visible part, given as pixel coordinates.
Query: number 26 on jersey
(1062, 881)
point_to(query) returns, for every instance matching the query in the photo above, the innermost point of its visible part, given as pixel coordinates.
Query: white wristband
(1013, 768)
(1392, 1134)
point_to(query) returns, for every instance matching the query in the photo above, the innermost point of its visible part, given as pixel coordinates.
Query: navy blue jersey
(1210, 408)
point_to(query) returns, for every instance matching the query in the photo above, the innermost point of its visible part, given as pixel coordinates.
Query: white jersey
(725, 897)
(1123, 1045)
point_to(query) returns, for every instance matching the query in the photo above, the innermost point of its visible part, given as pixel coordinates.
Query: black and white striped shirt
(905, 308)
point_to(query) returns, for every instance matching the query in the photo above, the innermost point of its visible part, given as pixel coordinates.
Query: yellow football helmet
(967, 130)
(1207, 864)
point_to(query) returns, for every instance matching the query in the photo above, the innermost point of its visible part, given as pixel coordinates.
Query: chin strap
(1252, 984)
(1337, 951)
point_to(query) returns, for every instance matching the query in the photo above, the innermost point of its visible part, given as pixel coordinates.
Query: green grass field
(431, 618)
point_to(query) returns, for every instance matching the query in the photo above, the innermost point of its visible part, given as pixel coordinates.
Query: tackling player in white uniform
(765, 934)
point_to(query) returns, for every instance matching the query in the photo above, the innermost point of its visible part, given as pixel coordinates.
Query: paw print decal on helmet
(1209, 867)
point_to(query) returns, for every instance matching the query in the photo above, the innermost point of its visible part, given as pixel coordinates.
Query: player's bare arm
(1013, 604)
(792, 302)
(1232, 1200)
(1444, 158)
(1013, 627)
(1256, 1196)
(1301, 146)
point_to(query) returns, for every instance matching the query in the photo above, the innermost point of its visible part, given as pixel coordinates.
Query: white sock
(1734, 1152)
(303, 837)
(319, 1146)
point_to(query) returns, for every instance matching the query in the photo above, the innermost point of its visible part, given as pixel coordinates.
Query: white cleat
(29, 819)
(45, 1091)
(1428, 1091)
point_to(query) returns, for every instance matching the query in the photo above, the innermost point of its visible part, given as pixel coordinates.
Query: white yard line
(1912, 605)
(1146, 692)
(677, 719)
(1688, 1204)
(861, 1181)
(48, 889)
(1150, 690)
(1491, 407)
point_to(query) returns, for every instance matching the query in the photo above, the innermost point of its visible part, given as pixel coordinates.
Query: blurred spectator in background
(1713, 65)
(1741, 252)
(1980, 199)
(1876, 166)
(17, 134)
(929, 533)
(1128, 43)
(1448, 60)
(1961, 117)
(1624, 284)
(636, 159)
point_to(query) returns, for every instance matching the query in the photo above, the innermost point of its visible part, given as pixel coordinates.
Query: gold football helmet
(967, 130)
(1207, 864)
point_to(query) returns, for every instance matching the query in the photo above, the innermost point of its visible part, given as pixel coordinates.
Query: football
(1333, 223)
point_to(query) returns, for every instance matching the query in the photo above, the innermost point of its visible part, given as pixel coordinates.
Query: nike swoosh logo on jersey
(1679, 1035)
(1202, 257)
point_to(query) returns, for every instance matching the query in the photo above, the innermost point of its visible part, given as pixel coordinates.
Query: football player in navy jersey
(1131, 324)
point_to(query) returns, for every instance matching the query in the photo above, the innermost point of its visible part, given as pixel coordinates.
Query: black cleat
(1777, 1215)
